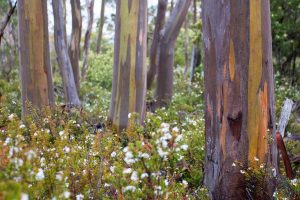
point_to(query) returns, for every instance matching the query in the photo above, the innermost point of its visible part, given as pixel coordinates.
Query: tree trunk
(87, 37)
(74, 48)
(159, 23)
(186, 44)
(36, 76)
(164, 86)
(65, 21)
(101, 24)
(239, 96)
(129, 76)
(64, 63)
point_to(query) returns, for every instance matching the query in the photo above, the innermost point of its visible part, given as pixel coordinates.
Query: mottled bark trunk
(239, 95)
(164, 86)
(36, 76)
(159, 23)
(64, 63)
(74, 47)
(129, 77)
(87, 37)
(101, 24)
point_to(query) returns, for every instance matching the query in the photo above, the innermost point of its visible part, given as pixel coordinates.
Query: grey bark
(101, 24)
(71, 96)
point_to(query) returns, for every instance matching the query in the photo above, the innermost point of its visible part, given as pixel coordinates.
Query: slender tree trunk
(101, 24)
(74, 48)
(194, 11)
(164, 86)
(65, 21)
(239, 96)
(186, 44)
(87, 37)
(36, 76)
(129, 77)
(159, 23)
(64, 63)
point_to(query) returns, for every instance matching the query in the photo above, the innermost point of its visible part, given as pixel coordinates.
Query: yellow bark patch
(231, 60)
(255, 120)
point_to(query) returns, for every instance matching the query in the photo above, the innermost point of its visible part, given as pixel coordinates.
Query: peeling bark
(239, 94)
(36, 76)
(129, 76)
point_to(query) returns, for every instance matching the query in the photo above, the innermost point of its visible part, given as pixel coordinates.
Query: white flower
(175, 129)
(113, 154)
(242, 171)
(184, 147)
(22, 126)
(129, 158)
(67, 194)
(166, 182)
(161, 153)
(129, 188)
(143, 155)
(125, 149)
(112, 169)
(61, 133)
(294, 182)
(40, 175)
(274, 172)
(129, 115)
(178, 138)
(58, 176)
(144, 175)
(30, 154)
(79, 196)
(184, 182)
(127, 171)
(11, 117)
(66, 149)
(24, 196)
(233, 164)
(134, 176)
(256, 159)
(42, 161)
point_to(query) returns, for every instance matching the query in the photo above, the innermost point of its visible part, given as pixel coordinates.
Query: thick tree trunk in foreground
(164, 86)
(87, 37)
(36, 76)
(74, 48)
(159, 23)
(101, 24)
(71, 96)
(239, 95)
(129, 77)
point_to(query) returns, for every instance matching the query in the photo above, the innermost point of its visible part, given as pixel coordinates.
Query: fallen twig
(6, 20)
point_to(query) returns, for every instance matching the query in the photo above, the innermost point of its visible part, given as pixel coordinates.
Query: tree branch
(6, 20)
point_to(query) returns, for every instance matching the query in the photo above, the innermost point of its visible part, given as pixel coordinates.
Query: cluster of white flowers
(40, 175)
(295, 182)
(129, 158)
(129, 188)
(79, 197)
(134, 176)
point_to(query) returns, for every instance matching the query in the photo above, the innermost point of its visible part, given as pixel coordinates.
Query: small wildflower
(127, 171)
(184, 147)
(129, 188)
(184, 182)
(40, 175)
(22, 126)
(79, 196)
(233, 164)
(242, 171)
(134, 176)
(67, 194)
(113, 154)
(256, 159)
(144, 175)
(11, 117)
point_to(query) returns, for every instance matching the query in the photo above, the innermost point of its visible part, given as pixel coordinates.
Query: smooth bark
(164, 86)
(239, 96)
(64, 63)
(34, 57)
(101, 24)
(74, 47)
(154, 51)
(87, 37)
(129, 76)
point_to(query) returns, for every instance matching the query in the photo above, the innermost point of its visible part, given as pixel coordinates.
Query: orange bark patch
(231, 60)
(224, 126)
